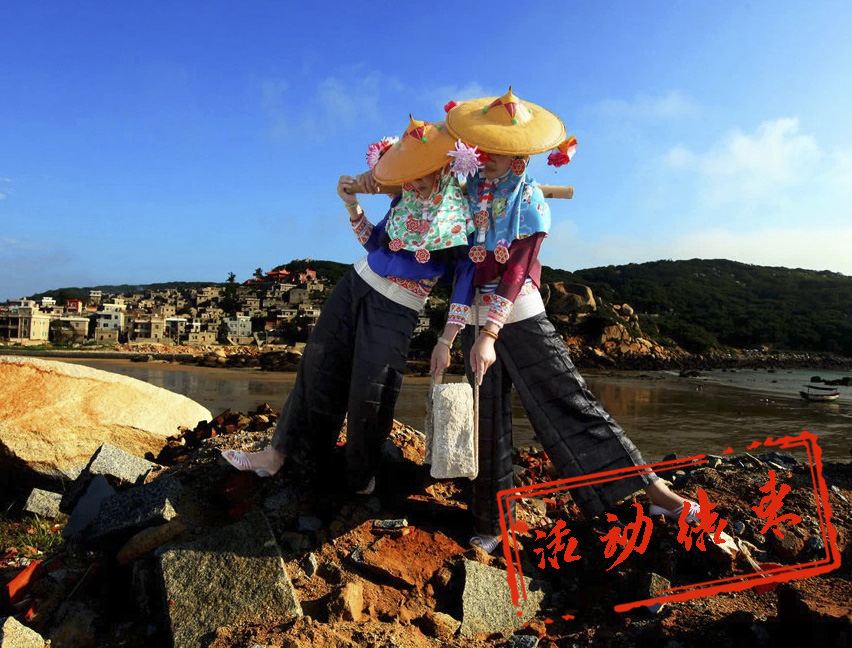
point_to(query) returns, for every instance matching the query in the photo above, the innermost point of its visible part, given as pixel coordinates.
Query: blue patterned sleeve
(374, 239)
(462, 297)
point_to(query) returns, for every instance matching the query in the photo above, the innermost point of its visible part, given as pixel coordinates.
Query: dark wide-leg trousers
(353, 362)
(577, 433)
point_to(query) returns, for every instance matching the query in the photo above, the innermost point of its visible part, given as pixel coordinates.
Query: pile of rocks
(196, 553)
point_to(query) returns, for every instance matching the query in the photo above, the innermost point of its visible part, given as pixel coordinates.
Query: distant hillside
(332, 271)
(699, 304)
(61, 294)
(711, 303)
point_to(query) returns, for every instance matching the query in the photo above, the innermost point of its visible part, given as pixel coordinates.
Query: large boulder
(566, 298)
(56, 414)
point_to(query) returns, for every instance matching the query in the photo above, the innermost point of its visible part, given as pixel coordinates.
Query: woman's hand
(440, 361)
(482, 356)
(368, 182)
(345, 190)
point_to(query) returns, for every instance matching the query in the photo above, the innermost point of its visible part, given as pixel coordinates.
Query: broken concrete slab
(118, 466)
(522, 641)
(487, 601)
(234, 574)
(14, 634)
(87, 508)
(137, 508)
(115, 462)
(43, 503)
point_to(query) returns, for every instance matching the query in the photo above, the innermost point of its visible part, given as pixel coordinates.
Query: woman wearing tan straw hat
(518, 344)
(353, 363)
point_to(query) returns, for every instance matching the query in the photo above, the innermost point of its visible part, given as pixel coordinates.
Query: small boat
(819, 394)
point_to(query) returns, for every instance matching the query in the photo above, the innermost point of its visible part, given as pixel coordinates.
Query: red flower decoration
(481, 218)
(412, 224)
(449, 106)
(422, 255)
(518, 166)
(483, 156)
(501, 254)
(558, 159)
(395, 245)
(477, 253)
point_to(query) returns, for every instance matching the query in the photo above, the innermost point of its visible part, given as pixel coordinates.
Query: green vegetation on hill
(699, 304)
(331, 271)
(63, 294)
(710, 303)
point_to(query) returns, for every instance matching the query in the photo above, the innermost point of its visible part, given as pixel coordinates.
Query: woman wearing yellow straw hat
(355, 357)
(518, 344)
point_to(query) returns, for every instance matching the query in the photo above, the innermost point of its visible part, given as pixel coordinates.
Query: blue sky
(156, 141)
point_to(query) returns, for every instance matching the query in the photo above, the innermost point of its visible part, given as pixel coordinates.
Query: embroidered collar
(439, 222)
(511, 207)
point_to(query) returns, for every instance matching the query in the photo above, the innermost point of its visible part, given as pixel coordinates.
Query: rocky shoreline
(193, 552)
(286, 358)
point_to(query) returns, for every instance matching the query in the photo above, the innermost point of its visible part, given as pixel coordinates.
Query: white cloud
(813, 247)
(458, 93)
(647, 107)
(759, 166)
(272, 92)
(335, 105)
(774, 195)
(679, 157)
(838, 175)
(11, 244)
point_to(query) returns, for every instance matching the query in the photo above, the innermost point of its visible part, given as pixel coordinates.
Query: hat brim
(411, 158)
(468, 122)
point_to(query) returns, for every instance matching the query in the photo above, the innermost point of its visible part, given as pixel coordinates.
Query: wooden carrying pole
(549, 191)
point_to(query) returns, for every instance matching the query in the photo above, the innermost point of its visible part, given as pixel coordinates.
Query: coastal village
(271, 310)
(264, 321)
(253, 312)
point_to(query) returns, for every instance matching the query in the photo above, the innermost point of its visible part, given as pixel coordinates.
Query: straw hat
(505, 125)
(421, 150)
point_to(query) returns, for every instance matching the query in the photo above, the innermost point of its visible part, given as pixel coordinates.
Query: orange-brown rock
(413, 558)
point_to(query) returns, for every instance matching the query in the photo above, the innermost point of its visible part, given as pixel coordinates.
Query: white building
(109, 320)
(23, 322)
(238, 325)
